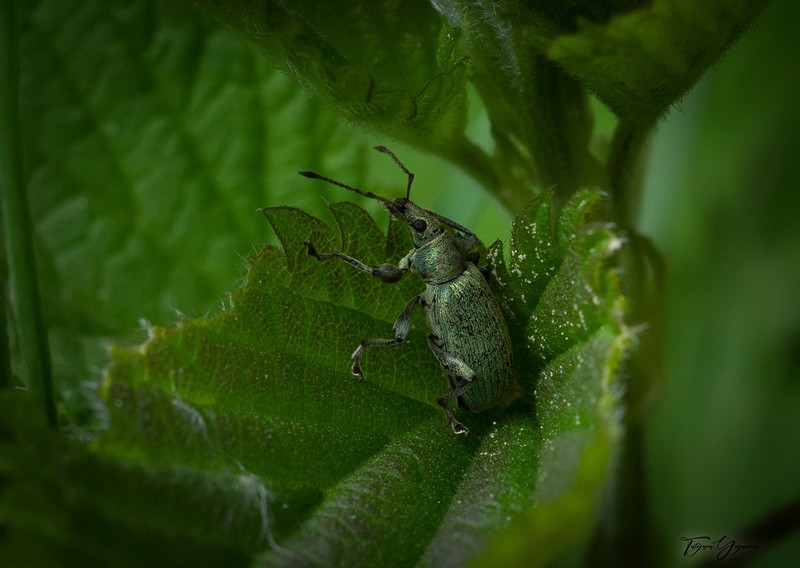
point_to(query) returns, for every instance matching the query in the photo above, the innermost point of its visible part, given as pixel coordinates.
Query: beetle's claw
(459, 428)
(356, 356)
(311, 250)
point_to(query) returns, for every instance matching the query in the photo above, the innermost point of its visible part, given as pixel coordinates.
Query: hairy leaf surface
(370, 472)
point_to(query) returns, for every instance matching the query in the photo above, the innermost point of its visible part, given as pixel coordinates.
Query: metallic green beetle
(468, 335)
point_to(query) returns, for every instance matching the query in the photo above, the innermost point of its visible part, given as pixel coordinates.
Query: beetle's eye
(419, 225)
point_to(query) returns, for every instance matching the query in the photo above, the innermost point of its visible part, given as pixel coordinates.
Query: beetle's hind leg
(461, 376)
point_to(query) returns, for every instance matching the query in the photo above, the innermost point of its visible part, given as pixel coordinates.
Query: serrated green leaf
(554, 290)
(265, 386)
(565, 312)
(254, 407)
(578, 407)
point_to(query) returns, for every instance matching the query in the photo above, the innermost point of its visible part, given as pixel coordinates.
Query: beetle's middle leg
(401, 327)
(386, 272)
(461, 376)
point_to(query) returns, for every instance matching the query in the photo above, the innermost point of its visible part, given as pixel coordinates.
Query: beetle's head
(423, 224)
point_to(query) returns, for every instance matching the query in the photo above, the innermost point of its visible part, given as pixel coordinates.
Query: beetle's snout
(397, 207)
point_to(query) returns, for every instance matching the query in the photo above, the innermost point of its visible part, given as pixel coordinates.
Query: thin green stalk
(626, 162)
(23, 290)
(5, 347)
(623, 537)
(560, 134)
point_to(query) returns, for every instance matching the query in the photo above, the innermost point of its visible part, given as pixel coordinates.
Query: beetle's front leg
(401, 327)
(386, 272)
(461, 377)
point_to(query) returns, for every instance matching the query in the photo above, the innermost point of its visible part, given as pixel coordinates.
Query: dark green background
(721, 200)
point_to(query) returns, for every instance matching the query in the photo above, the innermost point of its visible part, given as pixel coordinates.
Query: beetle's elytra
(468, 335)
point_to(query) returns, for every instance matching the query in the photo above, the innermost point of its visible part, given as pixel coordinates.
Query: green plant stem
(623, 538)
(641, 260)
(626, 168)
(560, 135)
(5, 347)
(23, 289)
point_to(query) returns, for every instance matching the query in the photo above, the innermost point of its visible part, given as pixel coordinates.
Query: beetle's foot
(311, 250)
(356, 368)
(458, 427)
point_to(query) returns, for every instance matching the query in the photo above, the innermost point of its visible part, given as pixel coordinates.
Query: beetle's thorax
(437, 257)
(439, 260)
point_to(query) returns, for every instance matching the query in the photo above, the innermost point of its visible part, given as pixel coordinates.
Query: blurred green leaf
(151, 138)
(389, 66)
(401, 69)
(541, 122)
(61, 503)
(721, 200)
(641, 62)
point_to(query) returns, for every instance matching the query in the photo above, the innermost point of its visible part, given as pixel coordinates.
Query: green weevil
(468, 335)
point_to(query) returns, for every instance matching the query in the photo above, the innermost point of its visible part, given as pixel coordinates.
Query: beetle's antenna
(314, 175)
(397, 161)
